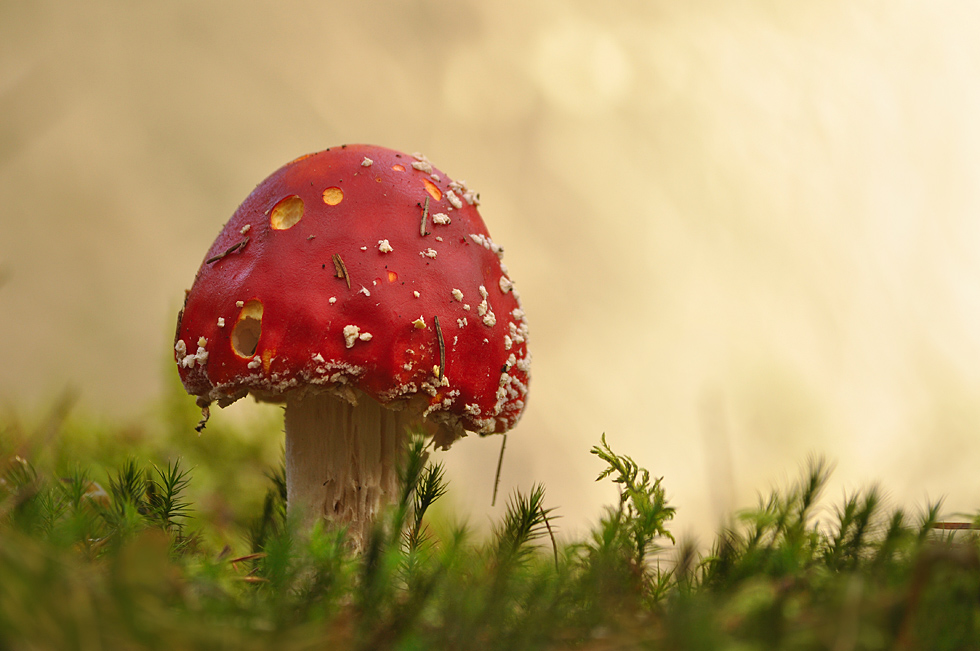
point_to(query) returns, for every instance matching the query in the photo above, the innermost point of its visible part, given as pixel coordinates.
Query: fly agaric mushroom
(360, 287)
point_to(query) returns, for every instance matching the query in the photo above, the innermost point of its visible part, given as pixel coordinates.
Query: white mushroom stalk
(342, 458)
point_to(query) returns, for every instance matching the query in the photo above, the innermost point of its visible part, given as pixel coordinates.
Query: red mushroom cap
(363, 268)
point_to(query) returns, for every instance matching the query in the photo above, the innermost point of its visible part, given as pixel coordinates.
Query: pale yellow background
(743, 232)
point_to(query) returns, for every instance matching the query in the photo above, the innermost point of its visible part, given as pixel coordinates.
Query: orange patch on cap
(431, 188)
(332, 196)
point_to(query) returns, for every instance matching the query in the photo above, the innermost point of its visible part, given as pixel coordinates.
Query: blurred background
(744, 233)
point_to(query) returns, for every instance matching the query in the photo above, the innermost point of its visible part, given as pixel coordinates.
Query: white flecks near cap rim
(453, 199)
(190, 361)
(441, 219)
(510, 388)
(458, 295)
(469, 196)
(518, 333)
(488, 244)
(384, 246)
(428, 253)
(484, 309)
(524, 364)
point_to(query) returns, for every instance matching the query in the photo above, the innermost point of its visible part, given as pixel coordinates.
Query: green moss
(109, 540)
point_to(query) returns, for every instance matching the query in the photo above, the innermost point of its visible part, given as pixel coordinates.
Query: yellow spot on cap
(431, 188)
(247, 330)
(398, 167)
(332, 196)
(287, 213)
(392, 276)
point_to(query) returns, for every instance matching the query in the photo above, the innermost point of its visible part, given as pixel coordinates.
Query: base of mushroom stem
(342, 459)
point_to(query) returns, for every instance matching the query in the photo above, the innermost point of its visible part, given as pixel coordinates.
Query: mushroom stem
(342, 459)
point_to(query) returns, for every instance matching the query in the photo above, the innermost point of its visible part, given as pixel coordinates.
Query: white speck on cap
(350, 335)
(453, 199)
(524, 364)
(488, 244)
(484, 309)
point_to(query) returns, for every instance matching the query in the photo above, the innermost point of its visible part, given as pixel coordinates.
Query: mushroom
(333, 290)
